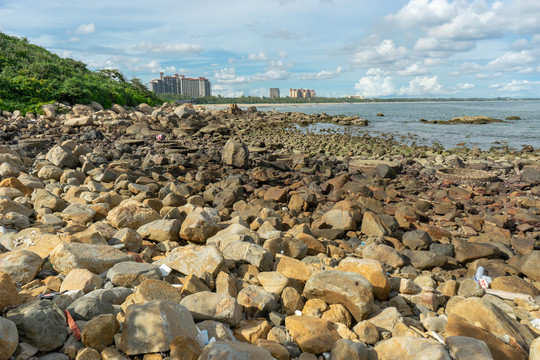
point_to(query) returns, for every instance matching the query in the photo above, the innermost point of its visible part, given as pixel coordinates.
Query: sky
(389, 48)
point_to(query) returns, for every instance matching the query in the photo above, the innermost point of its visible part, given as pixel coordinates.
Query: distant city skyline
(395, 48)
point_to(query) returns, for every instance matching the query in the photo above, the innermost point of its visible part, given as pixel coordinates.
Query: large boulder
(62, 156)
(95, 258)
(151, 327)
(9, 339)
(372, 270)
(206, 305)
(235, 153)
(41, 324)
(349, 289)
(313, 335)
(22, 265)
(131, 214)
(198, 226)
(195, 260)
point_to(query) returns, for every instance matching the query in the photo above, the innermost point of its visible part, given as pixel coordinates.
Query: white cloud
(413, 70)
(324, 74)
(283, 35)
(422, 86)
(85, 29)
(283, 54)
(261, 56)
(464, 86)
(467, 67)
(488, 76)
(516, 86)
(381, 54)
(512, 61)
(169, 48)
(226, 90)
(444, 47)
(423, 13)
(375, 84)
(228, 76)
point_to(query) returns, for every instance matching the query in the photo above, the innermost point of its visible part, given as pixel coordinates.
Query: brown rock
(8, 290)
(514, 284)
(251, 331)
(81, 279)
(293, 268)
(372, 270)
(313, 335)
(184, 347)
(15, 183)
(152, 289)
(99, 332)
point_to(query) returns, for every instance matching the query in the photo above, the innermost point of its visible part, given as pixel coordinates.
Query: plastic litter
(165, 270)
(160, 137)
(298, 312)
(481, 279)
(536, 324)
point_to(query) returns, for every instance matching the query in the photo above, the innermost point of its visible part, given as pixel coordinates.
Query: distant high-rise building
(301, 93)
(181, 85)
(274, 93)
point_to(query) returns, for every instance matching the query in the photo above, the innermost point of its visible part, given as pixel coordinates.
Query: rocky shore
(183, 232)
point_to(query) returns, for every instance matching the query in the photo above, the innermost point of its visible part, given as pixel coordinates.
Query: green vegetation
(31, 76)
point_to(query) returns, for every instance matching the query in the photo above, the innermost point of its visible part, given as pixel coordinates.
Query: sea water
(401, 120)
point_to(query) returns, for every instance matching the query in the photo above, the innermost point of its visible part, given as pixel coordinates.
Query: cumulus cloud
(381, 54)
(169, 48)
(226, 90)
(261, 56)
(423, 13)
(228, 76)
(324, 74)
(512, 61)
(85, 29)
(423, 86)
(413, 70)
(375, 83)
(276, 71)
(516, 86)
(443, 47)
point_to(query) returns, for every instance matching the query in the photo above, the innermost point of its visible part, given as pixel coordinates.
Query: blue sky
(390, 48)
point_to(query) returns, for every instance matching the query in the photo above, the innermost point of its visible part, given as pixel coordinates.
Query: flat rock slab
(95, 258)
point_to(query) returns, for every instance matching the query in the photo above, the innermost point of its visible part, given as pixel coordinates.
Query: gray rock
(9, 339)
(529, 265)
(115, 296)
(350, 350)
(235, 153)
(131, 274)
(85, 308)
(245, 252)
(206, 305)
(62, 156)
(416, 240)
(424, 259)
(469, 287)
(152, 326)
(234, 350)
(257, 301)
(385, 171)
(531, 176)
(468, 348)
(41, 324)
